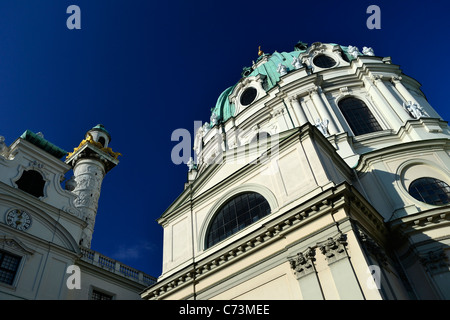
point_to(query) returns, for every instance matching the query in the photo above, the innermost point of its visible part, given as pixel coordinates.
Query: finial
(260, 52)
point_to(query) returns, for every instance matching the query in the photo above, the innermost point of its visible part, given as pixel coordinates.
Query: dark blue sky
(146, 68)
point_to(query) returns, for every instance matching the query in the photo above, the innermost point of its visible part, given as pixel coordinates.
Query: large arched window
(430, 190)
(358, 116)
(236, 214)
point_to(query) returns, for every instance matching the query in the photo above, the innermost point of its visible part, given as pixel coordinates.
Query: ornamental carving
(373, 248)
(435, 261)
(303, 264)
(334, 248)
(91, 141)
(323, 126)
(414, 109)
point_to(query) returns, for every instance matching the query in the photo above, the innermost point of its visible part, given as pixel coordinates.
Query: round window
(430, 190)
(248, 96)
(323, 61)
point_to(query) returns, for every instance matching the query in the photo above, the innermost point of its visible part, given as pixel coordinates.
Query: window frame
(17, 269)
(236, 224)
(369, 108)
(422, 196)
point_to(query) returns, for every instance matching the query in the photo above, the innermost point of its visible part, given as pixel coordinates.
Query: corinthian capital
(334, 248)
(376, 77)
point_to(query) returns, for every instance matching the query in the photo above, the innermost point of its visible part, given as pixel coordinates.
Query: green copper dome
(224, 109)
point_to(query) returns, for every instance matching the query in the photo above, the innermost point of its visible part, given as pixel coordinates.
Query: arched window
(31, 182)
(430, 190)
(102, 141)
(238, 213)
(358, 116)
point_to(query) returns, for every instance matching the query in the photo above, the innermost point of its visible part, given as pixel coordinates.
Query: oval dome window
(248, 96)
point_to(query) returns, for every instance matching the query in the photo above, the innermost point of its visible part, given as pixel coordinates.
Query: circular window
(248, 96)
(324, 61)
(430, 190)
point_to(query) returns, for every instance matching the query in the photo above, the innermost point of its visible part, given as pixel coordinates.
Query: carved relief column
(323, 110)
(391, 99)
(89, 175)
(299, 112)
(343, 274)
(304, 269)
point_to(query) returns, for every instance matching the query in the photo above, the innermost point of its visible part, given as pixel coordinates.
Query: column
(391, 99)
(307, 278)
(323, 110)
(341, 269)
(299, 112)
(407, 96)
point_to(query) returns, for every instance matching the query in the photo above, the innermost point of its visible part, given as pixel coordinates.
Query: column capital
(376, 78)
(334, 248)
(303, 264)
(396, 79)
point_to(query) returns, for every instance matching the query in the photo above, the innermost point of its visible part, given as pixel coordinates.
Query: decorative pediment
(12, 244)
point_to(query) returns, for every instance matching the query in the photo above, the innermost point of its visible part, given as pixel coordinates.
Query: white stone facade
(339, 201)
(44, 229)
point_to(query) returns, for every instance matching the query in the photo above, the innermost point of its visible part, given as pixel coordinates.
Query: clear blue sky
(145, 68)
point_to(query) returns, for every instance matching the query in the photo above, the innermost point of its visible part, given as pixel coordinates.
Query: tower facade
(322, 174)
(46, 227)
(90, 161)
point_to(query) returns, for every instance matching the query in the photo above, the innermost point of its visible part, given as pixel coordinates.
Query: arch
(228, 196)
(358, 115)
(415, 169)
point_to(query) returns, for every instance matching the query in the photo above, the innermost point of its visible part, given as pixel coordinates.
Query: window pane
(236, 214)
(430, 190)
(8, 267)
(358, 116)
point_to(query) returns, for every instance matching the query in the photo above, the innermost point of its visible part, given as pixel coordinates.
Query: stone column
(407, 96)
(299, 112)
(307, 278)
(338, 261)
(391, 99)
(323, 110)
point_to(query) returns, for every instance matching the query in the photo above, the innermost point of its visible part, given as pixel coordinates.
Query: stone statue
(296, 63)
(282, 70)
(353, 51)
(191, 164)
(367, 51)
(2, 143)
(323, 127)
(415, 110)
(205, 128)
(214, 119)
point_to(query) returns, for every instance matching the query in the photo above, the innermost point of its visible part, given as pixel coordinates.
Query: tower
(90, 161)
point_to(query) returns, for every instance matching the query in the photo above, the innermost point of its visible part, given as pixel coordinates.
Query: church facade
(46, 222)
(324, 173)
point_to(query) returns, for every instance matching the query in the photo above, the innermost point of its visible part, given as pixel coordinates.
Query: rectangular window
(98, 295)
(9, 264)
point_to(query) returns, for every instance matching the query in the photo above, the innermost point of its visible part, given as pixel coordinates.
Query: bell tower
(90, 161)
